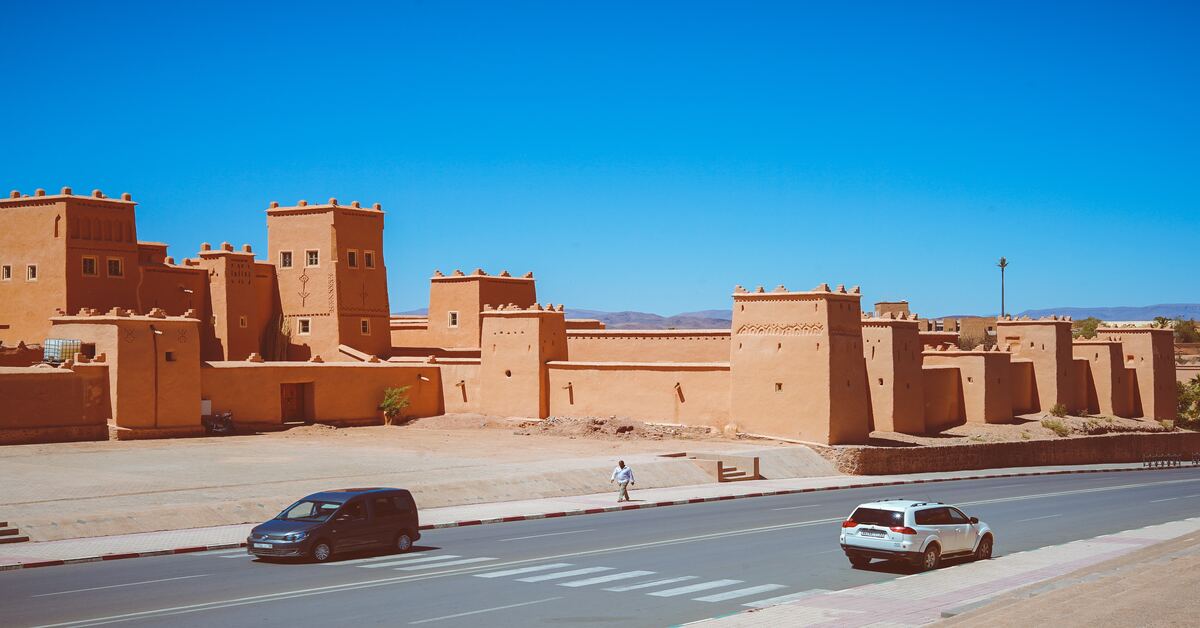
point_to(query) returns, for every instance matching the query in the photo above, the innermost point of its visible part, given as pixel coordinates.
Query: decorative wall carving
(781, 329)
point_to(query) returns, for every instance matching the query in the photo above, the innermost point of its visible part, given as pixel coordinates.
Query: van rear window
(877, 517)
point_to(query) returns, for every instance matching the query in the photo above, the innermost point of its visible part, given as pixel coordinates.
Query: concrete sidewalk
(926, 598)
(48, 553)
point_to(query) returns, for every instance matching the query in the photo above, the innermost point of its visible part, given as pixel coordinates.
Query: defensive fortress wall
(305, 336)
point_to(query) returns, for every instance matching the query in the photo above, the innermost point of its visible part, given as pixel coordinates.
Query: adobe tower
(332, 281)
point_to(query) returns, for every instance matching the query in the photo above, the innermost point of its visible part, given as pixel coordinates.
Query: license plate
(875, 533)
(263, 545)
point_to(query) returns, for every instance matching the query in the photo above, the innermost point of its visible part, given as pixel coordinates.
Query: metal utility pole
(1003, 264)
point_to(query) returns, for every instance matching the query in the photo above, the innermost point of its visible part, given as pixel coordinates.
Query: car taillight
(849, 523)
(903, 530)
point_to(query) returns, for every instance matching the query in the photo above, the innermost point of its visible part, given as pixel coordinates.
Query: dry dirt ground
(1153, 587)
(67, 490)
(1039, 426)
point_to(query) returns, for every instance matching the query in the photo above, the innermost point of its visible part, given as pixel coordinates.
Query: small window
(364, 326)
(90, 266)
(778, 386)
(31, 272)
(6, 273)
(369, 259)
(385, 506)
(170, 356)
(453, 319)
(352, 258)
(312, 258)
(116, 267)
(285, 259)
(303, 326)
(243, 322)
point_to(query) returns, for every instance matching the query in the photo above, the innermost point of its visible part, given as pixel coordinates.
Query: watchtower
(64, 252)
(456, 301)
(517, 344)
(892, 349)
(1047, 343)
(1151, 354)
(332, 280)
(796, 362)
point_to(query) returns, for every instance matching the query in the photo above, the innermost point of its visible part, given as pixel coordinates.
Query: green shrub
(1059, 410)
(1056, 426)
(395, 401)
(1189, 403)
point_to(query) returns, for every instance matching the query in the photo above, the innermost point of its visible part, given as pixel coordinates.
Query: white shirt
(622, 474)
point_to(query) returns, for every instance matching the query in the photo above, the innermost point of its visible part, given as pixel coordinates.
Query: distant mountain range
(722, 319)
(1123, 313)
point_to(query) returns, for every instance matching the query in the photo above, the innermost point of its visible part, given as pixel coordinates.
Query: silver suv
(921, 533)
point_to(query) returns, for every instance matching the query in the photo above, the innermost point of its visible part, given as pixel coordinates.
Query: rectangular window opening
(170, 356)
(352, 258)
(778, 386)
(364, 326)
(285, 259)
(303, 326)
(453, 319)
(369, 259)
(116, 267)
(312, 258)
(90, 266)
(6, 273)
(31, 272)
(243, 322)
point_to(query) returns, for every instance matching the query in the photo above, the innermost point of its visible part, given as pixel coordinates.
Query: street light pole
(1003, 264)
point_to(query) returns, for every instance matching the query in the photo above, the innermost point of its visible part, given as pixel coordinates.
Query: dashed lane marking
(703, 586)
(647, 585)
(409, 561)
(564, 574)
(538, 536)
(625, 575)
(514, 572)
(482, 610)
(116, 586)
(464, 561)
(736, 593)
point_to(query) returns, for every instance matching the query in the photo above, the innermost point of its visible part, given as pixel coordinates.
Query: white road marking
(772, 601)
(647, 585)
(482, 610)
(219, 552)
(564, 574)
(513, 572)
(538, 536)
(239, 554)
(409, 561)
(1099, 489)
(795, 507)
(736, 593)
(608, 578)
(1155, 501)
(381, 582)
(1038, 518)
(359, 561)
(114, 586)
(465, 561)
(703, 586)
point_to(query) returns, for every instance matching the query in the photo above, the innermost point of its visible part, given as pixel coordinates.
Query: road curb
(582, 511)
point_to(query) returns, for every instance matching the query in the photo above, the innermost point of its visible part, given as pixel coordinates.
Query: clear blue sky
(646, 155)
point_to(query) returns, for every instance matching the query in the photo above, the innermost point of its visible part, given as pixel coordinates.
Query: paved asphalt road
(652, 567)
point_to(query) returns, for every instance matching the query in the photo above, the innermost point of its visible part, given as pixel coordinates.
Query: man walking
(623, 476)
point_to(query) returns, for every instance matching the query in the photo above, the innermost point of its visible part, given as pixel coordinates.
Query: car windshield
(878, 517)
(307, 510)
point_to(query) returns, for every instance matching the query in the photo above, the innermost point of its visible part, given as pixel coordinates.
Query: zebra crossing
(574, 576)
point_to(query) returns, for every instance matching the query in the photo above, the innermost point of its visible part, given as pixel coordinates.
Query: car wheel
(984, 551)
(404, 543)
(322, 551)
(931, 558)
(859, 561)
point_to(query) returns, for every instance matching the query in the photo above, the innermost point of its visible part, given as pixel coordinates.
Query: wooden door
(291, 397)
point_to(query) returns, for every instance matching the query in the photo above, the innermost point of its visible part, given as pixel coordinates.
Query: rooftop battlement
(781, 292)
(479, 275)
(512, 308)
(302, 207)
(92, 315)
(207, 251)
(39, 195)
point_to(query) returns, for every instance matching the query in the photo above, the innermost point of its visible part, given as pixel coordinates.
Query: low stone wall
(862, 460)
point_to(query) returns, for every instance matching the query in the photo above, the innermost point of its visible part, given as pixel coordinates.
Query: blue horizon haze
(646, 156)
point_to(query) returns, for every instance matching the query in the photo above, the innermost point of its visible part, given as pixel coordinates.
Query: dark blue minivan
(339, 522)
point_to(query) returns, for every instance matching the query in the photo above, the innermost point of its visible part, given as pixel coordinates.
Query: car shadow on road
(337, 558)
(899, 567)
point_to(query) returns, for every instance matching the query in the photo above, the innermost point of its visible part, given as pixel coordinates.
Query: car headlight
(295, 536)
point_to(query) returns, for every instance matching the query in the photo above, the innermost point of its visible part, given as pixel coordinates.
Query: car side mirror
(974, 519)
